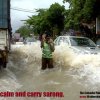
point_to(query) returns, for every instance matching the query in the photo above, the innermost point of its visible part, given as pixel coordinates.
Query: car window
(82, 42)
(30, 40)
(65, 40)
(62, 40)
(56, 41)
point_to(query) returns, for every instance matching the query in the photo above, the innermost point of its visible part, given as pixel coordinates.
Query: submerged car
(30, 40)
(80, 45)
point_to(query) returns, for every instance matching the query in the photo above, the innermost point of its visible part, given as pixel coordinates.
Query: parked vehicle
(4, 46)
(30, 40)
(80, 45)
(5, 31)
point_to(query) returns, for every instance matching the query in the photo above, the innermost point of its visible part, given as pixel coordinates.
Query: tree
(56, 17)
(24, 31)
(39, 22)
(51, 20)
(80, 10)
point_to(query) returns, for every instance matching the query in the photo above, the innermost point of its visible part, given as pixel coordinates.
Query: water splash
(72, 73)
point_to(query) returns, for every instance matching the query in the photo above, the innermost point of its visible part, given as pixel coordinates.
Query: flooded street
(72, 73)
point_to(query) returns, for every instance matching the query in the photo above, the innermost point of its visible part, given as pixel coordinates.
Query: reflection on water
(71, 74)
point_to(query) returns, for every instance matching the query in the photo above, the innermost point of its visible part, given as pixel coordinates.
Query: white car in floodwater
(30, 40)
(80, 45)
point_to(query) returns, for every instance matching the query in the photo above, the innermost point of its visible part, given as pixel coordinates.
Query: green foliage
(39, 22)
(48, 19)
(24, 31)
(79, 10)
(56, 16)
(88, 10)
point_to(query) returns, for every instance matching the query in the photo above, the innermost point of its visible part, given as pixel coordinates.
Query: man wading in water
(47, 46)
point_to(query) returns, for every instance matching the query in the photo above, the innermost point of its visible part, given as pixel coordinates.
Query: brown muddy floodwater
(72, 74)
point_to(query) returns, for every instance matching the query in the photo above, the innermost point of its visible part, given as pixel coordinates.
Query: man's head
(48, 37)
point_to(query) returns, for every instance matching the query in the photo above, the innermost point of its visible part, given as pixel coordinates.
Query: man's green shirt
(46, 51)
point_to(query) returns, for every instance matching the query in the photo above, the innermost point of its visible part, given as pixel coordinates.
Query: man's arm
(43, 39)
(51, 45)
(42, 42)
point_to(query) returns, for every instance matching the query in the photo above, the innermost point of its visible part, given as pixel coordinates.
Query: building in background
(97, 13)
(16, 37)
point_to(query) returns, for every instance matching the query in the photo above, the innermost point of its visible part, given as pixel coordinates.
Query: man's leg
(50, 63)
(44, 64)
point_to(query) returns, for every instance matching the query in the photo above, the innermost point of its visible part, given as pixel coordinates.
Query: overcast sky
(30, 5)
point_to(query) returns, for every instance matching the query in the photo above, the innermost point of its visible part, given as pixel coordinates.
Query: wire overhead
(23, 10)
